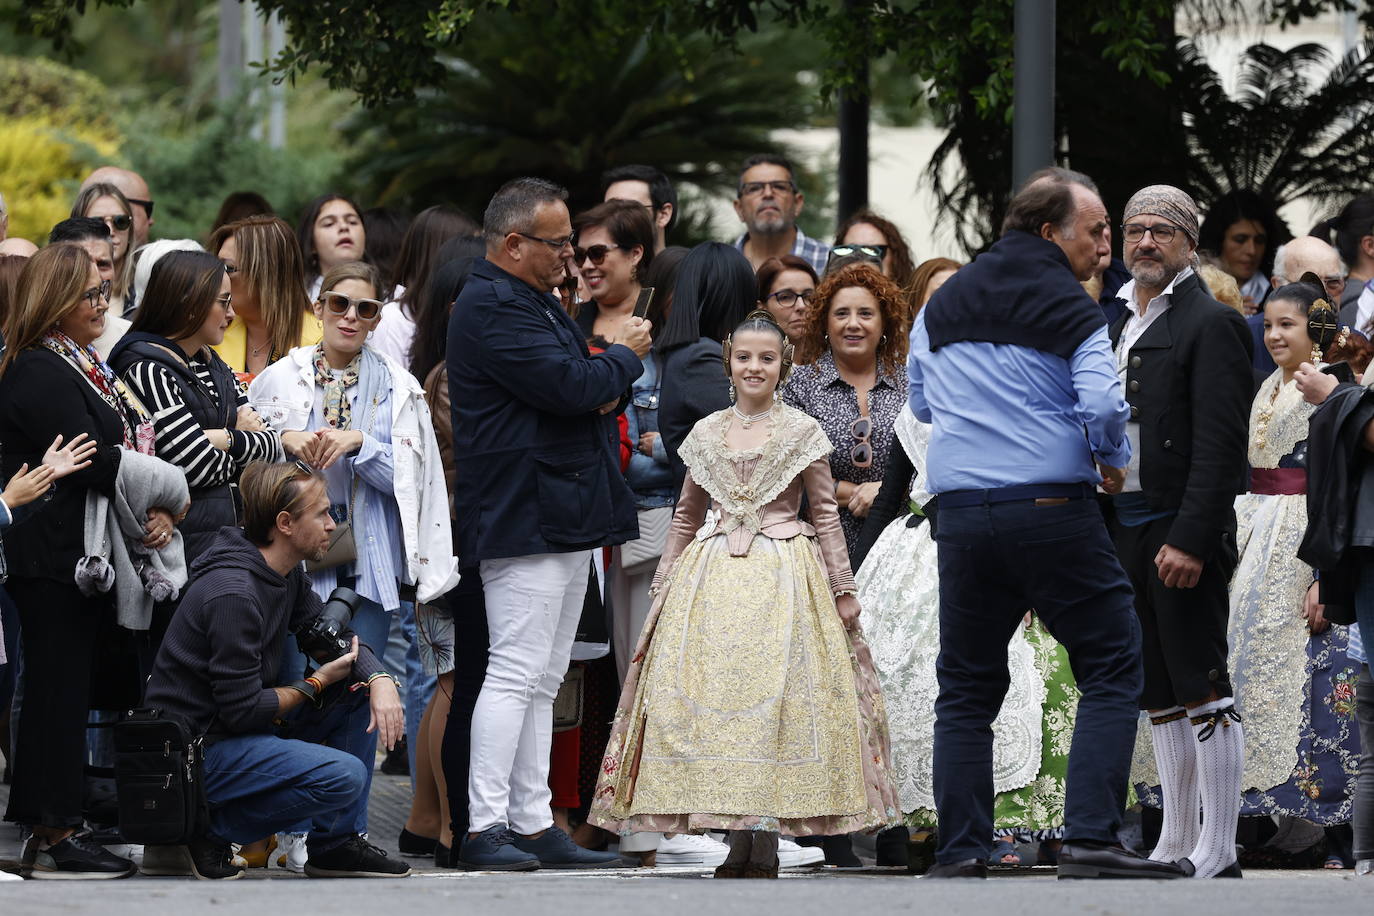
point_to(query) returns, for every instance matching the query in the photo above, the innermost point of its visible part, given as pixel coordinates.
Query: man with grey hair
(1184, 359)
(1011, 365)
(538, 490)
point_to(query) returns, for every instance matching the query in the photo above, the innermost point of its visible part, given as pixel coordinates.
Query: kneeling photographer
(275, 754)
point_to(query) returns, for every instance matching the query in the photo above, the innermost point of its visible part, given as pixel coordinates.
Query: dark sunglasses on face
(120, 222)
(597, 253)
(338, 304)
(862, 452)
(147, 205)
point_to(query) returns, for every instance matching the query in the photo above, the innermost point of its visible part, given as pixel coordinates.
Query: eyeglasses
(120, 222)
(230, 269)
(147, 205)
(558, 244)
(338, 304)
(597, 253)
(862, 453)
(93, 295)
(865, 250)
(226, 300)
(1162, 233)
(304, 468)
(788, 297)
(753, 188)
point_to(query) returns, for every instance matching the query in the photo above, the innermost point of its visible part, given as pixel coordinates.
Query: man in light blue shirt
(1011, 364)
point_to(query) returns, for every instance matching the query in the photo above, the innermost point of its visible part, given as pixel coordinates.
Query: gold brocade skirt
(748, 705)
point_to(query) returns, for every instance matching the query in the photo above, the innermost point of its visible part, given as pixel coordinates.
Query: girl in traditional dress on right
(751, 704)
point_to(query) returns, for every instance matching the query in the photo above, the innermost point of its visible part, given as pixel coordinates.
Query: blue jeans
(371, 624)
(996, 562)
(310, 775)
(420, 686)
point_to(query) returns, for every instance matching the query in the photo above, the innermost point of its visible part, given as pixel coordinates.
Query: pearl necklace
(748, 421)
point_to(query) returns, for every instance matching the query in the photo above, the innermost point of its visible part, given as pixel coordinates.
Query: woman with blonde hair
(271, 309)
(108, 204)
(54, 388)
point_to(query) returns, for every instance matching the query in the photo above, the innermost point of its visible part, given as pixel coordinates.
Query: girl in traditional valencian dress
(751, 704)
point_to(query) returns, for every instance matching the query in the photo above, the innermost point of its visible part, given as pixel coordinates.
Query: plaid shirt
(814, 251)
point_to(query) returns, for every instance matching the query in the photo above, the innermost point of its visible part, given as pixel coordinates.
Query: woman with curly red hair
(850, 377)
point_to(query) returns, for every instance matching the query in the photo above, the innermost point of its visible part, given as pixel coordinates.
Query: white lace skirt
(899, 592)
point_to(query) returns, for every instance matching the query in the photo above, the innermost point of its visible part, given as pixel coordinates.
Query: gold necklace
(1266, 413)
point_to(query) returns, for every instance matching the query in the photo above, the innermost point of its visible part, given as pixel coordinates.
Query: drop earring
(732, 392)
(1316, 352)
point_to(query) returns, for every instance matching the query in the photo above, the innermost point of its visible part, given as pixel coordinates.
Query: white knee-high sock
(1220, 763)
(1176, 760)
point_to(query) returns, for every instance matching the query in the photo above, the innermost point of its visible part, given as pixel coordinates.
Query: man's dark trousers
(997, 561)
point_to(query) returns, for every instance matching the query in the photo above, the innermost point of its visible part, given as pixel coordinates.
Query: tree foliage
(1300, 124)
(510, 107)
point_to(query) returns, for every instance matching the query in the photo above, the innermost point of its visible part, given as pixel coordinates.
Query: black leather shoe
(1189, 870)
(969, 868)
(1095, 860)
(414, 845)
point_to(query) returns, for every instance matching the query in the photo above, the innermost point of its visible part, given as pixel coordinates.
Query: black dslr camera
(323, 638)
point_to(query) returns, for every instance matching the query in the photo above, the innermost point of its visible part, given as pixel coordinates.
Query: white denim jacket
(285, 399)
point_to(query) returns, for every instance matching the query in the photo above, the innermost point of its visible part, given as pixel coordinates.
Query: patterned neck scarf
(137, 423)
(338, 413)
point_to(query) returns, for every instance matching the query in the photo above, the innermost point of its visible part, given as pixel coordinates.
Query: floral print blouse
(818, 390)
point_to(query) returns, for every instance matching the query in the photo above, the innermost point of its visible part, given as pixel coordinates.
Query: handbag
(641, 555)
(342, 546)
(159, 778)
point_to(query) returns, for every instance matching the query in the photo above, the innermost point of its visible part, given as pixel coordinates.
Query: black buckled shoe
(1186, 866)
(1099, 860)
(210, 860)
(354, 858)
(78, 857)
(968, 868)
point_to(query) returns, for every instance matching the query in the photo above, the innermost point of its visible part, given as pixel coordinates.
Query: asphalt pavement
(670, 891)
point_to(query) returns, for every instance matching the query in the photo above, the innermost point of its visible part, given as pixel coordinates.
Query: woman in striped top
(200, 413)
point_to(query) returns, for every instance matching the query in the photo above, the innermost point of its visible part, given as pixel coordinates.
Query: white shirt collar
(1127, 291)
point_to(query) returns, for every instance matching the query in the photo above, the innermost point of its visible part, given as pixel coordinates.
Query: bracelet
(306, 688)
(316, 683)
(846, 591)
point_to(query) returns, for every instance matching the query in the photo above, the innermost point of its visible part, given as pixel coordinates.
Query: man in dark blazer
(1185, 360)
(538, 489)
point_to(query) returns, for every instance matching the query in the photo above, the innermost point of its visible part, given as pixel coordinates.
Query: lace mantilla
(915, 438)
(1278, 421)
(794, 442)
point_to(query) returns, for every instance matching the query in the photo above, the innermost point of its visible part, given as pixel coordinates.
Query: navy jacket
(537, 466)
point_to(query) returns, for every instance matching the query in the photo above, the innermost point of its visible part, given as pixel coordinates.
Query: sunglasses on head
(862, 452)
(849, 250)
(597, 253)
(338, 304)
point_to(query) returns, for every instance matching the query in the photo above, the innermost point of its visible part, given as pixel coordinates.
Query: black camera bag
(158, 773)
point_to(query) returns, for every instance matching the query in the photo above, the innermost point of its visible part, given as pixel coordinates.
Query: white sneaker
(292, 854)
(791, 855)
(692, 849)
(9, 876)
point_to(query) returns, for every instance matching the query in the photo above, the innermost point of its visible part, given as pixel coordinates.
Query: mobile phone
(1341, 371)
(646, 295)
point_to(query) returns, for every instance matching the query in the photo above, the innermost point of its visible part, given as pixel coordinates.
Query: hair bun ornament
(1322, 324)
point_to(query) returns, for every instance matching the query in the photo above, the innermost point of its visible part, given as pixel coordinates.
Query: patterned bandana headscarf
(1166, 201)
(338, 413)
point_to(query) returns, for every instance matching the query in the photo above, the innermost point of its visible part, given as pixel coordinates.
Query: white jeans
(534, 604)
